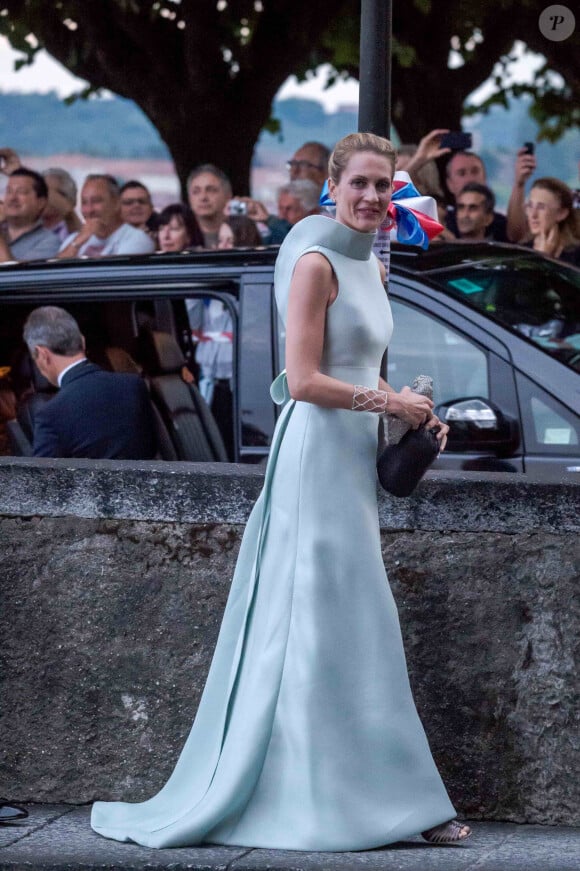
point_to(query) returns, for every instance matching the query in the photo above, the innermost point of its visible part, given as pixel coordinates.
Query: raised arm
(517, 225)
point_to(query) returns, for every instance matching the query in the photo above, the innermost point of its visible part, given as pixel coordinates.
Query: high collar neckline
(328, 233)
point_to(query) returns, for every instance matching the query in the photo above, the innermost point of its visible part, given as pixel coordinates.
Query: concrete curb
(225, 493)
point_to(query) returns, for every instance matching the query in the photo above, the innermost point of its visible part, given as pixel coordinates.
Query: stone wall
(114, 576)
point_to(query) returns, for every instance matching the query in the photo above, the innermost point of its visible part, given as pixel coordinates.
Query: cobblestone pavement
(58, 838)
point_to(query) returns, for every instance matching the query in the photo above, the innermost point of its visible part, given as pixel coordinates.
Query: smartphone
(456, 141)
(530, 147)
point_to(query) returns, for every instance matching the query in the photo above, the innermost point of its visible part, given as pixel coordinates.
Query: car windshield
(535, 297)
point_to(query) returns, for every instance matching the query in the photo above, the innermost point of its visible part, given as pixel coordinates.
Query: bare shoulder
(314, 267)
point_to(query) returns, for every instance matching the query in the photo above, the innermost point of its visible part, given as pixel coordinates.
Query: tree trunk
(224, 136)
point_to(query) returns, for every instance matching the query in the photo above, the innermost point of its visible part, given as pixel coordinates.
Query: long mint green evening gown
(306, 736)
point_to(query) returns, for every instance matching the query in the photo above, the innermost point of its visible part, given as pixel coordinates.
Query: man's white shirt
(125, 240)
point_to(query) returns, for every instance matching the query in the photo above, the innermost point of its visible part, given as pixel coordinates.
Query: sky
(47, 75)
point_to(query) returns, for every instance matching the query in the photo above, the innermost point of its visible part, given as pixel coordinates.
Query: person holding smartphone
(517, 224)
(465, 167)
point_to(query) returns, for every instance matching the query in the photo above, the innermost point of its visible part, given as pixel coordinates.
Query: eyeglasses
(135, 201)
(302, 164)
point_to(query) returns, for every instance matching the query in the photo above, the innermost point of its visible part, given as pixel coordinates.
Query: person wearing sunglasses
(137, 207)
(311, 162)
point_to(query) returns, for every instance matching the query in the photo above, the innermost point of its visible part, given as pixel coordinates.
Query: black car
(496, 326)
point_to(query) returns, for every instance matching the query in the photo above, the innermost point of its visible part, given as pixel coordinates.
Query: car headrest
(40, 383)
(160, 353)
(25, 375)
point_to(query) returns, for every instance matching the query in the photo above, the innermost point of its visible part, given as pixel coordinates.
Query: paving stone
(59, 838)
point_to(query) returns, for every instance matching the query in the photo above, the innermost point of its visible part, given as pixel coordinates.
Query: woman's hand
(443, 431)
(429, 148)
(255, 210)
(549, 243)
(524, 168)
(9, 161)
(411, 407)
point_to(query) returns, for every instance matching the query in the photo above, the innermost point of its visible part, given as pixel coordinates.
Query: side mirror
(477, 424)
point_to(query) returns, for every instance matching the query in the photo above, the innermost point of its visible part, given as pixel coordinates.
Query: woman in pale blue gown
(307, 736)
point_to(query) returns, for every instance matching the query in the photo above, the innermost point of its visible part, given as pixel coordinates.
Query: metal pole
(376, 28)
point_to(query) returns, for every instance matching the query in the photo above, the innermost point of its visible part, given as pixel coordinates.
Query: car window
(423, 345)
(213, 327)
(117, 339)
(535, 297)
(256, 370)
(548, 426)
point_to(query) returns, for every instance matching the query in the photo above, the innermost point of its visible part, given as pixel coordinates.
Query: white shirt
(68, 368)
(125, 240)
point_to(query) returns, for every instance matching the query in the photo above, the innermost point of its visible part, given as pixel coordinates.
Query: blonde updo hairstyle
(354, 143)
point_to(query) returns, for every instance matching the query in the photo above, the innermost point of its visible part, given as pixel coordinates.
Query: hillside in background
(42, 125)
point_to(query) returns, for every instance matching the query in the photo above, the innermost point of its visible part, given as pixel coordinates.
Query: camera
(529, 147)
(238, 208)
(457, 140)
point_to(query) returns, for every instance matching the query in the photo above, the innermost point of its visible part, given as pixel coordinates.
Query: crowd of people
(39, 219)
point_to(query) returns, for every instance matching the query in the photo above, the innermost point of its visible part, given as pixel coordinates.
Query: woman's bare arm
(312, 289)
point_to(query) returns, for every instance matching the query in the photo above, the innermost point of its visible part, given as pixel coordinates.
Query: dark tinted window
(256, 369)
(456, 364)
(549, 428)
(537, 298)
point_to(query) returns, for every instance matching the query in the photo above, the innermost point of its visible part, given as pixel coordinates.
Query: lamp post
(374, 105)
(376, 28)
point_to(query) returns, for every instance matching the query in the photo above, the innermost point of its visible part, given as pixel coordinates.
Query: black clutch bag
(400, 467)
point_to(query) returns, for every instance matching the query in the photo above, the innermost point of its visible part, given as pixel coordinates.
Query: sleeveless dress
(307, 736)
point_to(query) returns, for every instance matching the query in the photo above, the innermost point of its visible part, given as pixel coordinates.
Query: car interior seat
(32, 390)
(193, 431)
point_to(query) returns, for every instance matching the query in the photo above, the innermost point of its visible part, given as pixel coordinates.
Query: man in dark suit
(95, 414)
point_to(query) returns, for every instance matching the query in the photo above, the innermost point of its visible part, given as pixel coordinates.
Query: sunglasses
(135, 201)
(302, 164)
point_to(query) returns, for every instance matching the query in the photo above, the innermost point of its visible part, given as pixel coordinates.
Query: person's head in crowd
(238, 231)
(136, 205)
(426, 177)
(101, 204)
(25, 199)
(62, 198)
(54, 340)
(461, 168)
(474, 207)
(297, 199)
(209, 190)
(310, 162)
(177, 229)
(551, 215)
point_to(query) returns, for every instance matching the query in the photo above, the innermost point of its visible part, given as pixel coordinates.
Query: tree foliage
(206, 71)
(442, 51)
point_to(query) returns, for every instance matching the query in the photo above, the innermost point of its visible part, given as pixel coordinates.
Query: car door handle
(573, 468)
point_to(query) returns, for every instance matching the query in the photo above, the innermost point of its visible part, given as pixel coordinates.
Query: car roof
(404, 259)
(450, 255)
